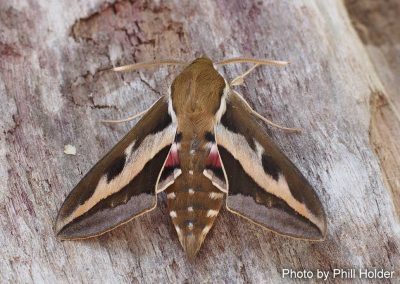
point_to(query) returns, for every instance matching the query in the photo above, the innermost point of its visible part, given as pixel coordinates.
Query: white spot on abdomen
(171, 195)
(212, 213)
(173, 214)
(215, 195)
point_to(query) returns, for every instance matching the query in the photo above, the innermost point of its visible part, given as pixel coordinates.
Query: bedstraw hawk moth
(201, 144)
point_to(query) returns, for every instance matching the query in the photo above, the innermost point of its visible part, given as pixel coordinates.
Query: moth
(202, 144)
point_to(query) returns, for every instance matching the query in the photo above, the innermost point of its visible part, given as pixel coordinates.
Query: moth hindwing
(198, 144)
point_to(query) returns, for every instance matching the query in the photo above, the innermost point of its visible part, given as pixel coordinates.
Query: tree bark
(341, 88)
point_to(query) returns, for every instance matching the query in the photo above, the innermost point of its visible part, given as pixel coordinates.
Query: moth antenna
(129, 118)
(239, 80)
(136, 66)
(288, 129)
(252, 60)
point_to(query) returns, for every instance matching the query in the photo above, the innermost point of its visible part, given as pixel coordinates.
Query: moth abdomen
(193, 210)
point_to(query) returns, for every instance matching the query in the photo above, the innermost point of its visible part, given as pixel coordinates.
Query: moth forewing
(264, 186)
(121, 185)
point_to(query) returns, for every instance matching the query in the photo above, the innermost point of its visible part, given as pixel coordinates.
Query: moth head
(204, 60)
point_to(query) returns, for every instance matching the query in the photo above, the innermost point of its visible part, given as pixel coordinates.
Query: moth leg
(239, 80)
(129, 118)
(288, 129)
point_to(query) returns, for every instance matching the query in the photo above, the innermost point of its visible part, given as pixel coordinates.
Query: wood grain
(53, 92)
(379, 28)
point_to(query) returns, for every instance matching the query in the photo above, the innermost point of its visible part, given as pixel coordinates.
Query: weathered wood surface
(53, 93)
(378, 25)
